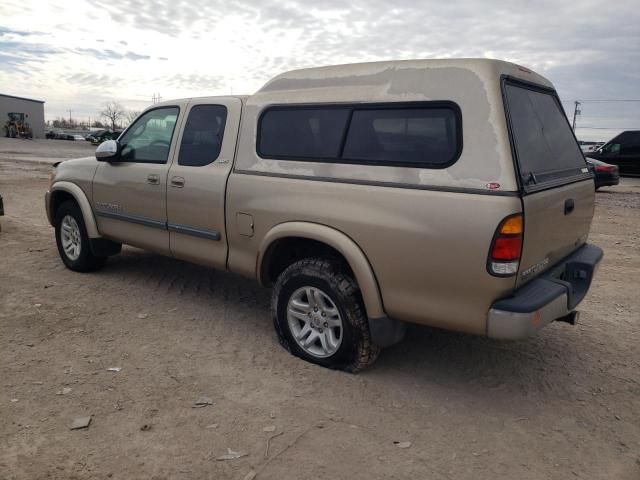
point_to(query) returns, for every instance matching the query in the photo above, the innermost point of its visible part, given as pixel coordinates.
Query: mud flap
(386, 331)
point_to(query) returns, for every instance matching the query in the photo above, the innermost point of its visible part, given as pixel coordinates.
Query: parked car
(588, 147)
(104, 136)
(360, 199)
(94, 135)
(604, 174)
(77, 137)
(623, 151)
(55, 134)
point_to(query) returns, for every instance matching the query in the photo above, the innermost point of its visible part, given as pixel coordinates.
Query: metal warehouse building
(33, 110)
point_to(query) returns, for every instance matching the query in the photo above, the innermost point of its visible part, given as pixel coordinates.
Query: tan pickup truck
(449, 193)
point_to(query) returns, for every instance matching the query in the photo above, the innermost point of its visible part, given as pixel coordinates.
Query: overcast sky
(77, 55)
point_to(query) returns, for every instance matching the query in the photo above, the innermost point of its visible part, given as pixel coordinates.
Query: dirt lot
(565, 404)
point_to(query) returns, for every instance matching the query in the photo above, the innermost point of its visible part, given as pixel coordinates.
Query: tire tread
(335, 273)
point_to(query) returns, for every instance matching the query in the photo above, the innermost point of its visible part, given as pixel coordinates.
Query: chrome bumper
(549, 297)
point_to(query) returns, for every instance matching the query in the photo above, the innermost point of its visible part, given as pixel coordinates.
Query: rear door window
(202, 136)
(630, 145)
(546, 149)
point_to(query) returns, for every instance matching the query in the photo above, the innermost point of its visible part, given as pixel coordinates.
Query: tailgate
(556, 222)
(557, 187)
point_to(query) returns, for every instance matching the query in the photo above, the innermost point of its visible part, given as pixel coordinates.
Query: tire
(324, 283)
(77, 256)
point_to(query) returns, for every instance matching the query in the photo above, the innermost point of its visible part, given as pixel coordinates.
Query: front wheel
(72, 240)
(319, 316)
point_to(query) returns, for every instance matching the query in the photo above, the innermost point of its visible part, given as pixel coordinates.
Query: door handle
(153, 179)
(177, 182)
(569, 205)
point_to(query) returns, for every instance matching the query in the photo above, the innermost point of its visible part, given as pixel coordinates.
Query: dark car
(604, 174)
(94, 135)
(623, 151)
(107, 135)
(55, 134)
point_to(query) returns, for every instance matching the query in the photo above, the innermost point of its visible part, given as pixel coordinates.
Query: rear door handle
(153, 179)
(177, 182)
(569, 205)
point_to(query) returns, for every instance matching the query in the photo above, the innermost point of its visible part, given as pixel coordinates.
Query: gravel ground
(564, 404)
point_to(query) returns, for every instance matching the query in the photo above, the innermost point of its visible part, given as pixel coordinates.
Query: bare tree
(131, 115)
(113, 112)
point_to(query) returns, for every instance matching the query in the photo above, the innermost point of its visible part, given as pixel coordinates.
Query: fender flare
(342, 243)
(76, 192)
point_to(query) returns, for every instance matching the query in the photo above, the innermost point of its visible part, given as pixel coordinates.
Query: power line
(607, 128)
(617, 100)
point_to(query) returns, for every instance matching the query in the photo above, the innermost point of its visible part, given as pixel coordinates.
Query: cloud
(18, 56)
(108, 54)
(94, 80)
(8, 31)
(194, 82)
(27, 50)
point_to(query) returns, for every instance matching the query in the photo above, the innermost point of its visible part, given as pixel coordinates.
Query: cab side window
(632, 145)
(202, 136)
(148, 140)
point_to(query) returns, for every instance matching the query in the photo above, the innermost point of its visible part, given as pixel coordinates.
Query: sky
(78, 55)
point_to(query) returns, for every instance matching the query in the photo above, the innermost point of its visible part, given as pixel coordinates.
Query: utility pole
(69, 117)
(576, 112)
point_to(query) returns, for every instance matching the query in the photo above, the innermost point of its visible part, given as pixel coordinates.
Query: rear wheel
(72, 240)
(319, 317)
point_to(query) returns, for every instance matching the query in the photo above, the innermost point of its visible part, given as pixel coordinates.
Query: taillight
(606, 168)
(506, 247)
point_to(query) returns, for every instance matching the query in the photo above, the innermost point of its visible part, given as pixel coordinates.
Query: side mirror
(108, 151)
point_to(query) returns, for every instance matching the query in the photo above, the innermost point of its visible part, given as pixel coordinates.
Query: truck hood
(84, 161)
(77, 170)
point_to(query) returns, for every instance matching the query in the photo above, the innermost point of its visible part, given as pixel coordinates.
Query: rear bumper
(549, 297)
(607, 180)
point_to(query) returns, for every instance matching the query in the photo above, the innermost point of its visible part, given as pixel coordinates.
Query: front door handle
(177, 182)
(153, 179)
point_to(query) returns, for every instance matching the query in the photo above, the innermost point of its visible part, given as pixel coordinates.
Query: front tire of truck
(319, 316)
(72, 240)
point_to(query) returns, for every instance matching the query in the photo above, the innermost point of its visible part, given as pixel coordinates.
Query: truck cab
(623, 150)
(166, 191)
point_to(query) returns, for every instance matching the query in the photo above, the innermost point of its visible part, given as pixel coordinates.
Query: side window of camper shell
(416, 134)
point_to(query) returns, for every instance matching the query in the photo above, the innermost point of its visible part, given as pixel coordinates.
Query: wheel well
(58, 198)
(286, 251)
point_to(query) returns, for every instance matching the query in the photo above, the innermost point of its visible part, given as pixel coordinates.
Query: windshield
(546, 148)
